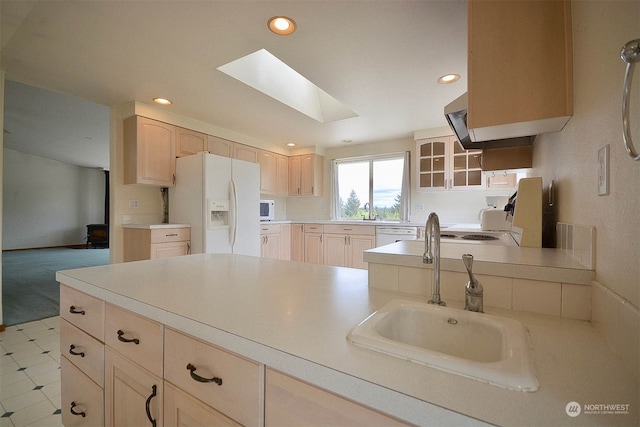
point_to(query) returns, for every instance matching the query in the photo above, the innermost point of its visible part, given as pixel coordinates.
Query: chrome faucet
(432, 255)
(473, 291)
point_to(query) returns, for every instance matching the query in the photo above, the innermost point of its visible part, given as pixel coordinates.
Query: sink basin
(484, 347)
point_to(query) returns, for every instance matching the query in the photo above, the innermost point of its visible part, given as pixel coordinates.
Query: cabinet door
(183, 410)
(466, 169)
(431, 163)
(290, 402)
(294, 175)
(282, 175)
(245, 152)
(189, 142)
(219, 146)
(270, 246)
(297, 243)
(81, 400)
(133, 395)
(313, 252)
(165, 250)
(150, 152)
(335, 247)
(357, 246)
(308, 182)
(268, 172)
(285, 242)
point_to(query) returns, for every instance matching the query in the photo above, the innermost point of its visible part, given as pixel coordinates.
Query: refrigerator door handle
(233, 215)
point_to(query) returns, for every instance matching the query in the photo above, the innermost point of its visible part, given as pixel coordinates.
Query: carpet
(29, 288)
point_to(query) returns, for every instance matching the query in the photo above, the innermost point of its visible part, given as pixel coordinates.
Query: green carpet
(29, 288)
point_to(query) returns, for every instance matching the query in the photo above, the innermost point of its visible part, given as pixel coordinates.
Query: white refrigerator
(220, 198)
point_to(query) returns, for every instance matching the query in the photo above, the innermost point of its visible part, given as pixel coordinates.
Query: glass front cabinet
(443, 165)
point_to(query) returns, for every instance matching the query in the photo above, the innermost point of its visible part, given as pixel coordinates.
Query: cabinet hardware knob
(74, 310)
(75, 353)
(148, 404)
(73, 405)
(123, 339)
(196, 377)
(171, 235)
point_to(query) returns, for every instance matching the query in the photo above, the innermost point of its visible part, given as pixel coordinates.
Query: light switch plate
(603, 171)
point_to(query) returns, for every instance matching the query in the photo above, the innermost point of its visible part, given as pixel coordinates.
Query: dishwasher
(390, 234)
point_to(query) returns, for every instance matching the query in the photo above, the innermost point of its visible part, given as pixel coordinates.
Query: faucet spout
(432, 255)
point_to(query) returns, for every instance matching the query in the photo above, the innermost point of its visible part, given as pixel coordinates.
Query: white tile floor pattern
(30, 374)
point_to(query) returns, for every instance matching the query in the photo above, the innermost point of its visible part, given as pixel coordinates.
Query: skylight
(268, 74)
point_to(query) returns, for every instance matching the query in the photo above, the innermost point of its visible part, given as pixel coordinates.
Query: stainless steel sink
(484, 347)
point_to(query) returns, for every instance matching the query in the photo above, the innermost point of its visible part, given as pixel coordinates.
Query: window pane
(353, 189)
(387, 188)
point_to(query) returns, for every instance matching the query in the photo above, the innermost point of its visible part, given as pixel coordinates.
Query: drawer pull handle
(171, 235)
(75, 353)
(73, 405)
(148, 405)
(123, 339)
(196, 377)
(73, 310)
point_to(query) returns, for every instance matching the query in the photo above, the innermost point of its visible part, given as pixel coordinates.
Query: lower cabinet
(144, 243)
(133, 395)
(291, 402)
(344, 245)
(275, 241)
(182, 410)
(81, 399)
(313, 244)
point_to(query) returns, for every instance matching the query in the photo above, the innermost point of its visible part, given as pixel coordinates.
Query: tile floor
(30, 374)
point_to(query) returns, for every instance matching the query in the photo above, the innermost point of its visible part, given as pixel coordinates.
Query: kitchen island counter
(294, 317)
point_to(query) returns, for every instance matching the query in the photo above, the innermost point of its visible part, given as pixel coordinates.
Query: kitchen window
(371, 187)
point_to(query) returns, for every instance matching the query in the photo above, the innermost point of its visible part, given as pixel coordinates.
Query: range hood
(456, 115)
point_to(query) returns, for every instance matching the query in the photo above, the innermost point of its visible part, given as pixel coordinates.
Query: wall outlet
(134, 204)
(603, 171)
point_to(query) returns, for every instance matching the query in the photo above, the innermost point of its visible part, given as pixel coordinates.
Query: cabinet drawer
(79, 395)
(238, 395)
(269, 228)
(365, 230)
(163, 235)
(136, 337)
(84, 311)
(84, 351)
(313, 228)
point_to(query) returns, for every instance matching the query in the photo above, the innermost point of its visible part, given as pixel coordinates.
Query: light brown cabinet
(275, 241)
(189, 142)
(291, 402)
(82, 358)
(344, 245)
(245, 152)
(313, 244)
(219, 146)
(305, 175)
(519, 68)
(144, 243)
(149, 152)
(274, 173)
(297, 242)
(443, 165)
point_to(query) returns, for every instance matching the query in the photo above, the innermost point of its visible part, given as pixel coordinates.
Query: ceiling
(67, 61)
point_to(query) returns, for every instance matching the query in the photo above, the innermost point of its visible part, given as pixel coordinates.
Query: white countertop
(155, 226)
(511, 261)
(294, 317)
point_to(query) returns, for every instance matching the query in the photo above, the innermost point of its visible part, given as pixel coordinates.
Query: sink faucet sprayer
(473, 292)
(432, 255)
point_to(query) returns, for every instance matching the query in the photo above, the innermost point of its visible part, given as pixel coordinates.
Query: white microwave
(267, 210)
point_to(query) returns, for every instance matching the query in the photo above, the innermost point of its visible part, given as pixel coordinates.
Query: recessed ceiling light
(281, 25)
(449, 78)
(291, 144)
(162, 101)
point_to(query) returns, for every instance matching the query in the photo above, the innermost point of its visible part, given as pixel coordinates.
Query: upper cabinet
(220, 147)
(519, 68)
(149, 152)
(189, 142)
(443, 165)
(274, 173)
(305, 175)
(245, 152)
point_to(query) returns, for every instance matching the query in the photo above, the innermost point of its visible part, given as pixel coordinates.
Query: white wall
(600, 29)
(48, 203)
